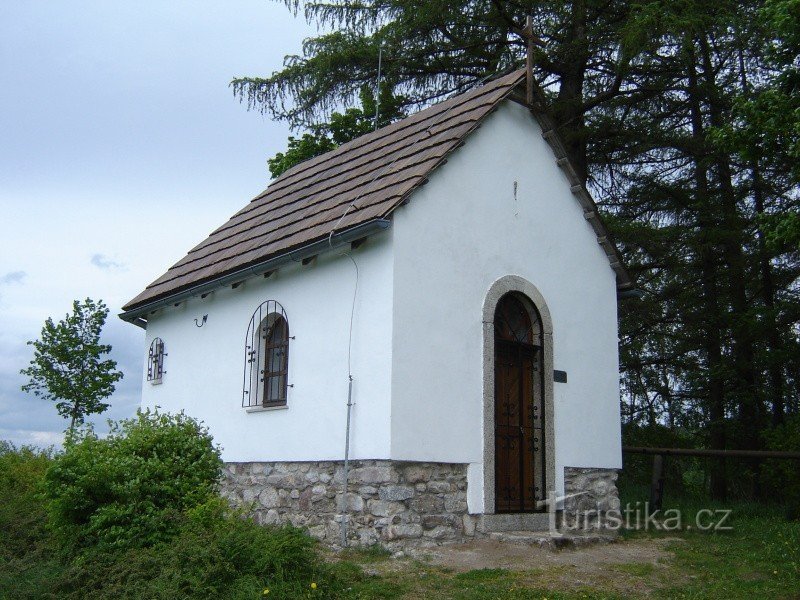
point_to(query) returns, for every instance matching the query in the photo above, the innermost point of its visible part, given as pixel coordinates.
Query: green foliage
(783, 231)
(212, 554)
(765, 127)
(299, 150)
(22, 510)
(784, 475)
(342, 128)
(130, 488)
(683, 476)
(136, 515)
(68, 365)
(436, 47)
(28, 561)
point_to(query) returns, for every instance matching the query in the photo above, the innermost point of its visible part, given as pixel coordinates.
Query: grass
(413, 581)
(636, 569)
(759, 557)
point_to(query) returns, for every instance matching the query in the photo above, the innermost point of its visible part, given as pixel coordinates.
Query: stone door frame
(532, 297)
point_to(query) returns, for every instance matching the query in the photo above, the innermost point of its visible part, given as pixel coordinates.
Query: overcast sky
(121, 147)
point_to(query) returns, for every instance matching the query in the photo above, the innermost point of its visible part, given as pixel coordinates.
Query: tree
(435, 48)
(68, 365)
(342, 128)
(682, 120)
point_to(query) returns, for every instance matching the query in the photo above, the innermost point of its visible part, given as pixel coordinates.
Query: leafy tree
(342, 128)
(299, 150)
(765, 130)
(68, 365)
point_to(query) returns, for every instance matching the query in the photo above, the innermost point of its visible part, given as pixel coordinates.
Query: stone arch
(535, 301)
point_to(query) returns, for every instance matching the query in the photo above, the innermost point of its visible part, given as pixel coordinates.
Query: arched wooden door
(519, 410)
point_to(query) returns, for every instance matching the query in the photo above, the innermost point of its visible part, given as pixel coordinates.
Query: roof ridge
(406, 122)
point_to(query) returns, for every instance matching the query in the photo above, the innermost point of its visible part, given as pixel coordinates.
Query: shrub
(22, 510)
(684, 475)
(139, 518)
(214, 554)
(783, 476)
(27, 563)
(131, 488)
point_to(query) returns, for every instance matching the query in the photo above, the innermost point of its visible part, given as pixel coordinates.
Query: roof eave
(591, 212)
(137, 314)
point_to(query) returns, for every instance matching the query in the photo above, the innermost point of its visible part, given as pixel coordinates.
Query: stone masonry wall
(388, 502)
(590, 498)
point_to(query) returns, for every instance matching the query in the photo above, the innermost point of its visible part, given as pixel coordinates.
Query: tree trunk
(774, 343)
(568, 109)
(710, 294)
(746, 392)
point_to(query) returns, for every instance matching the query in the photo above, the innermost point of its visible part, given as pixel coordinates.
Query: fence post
(657, 483)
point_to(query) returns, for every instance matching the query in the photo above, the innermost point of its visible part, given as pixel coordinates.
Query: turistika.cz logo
(637, 517)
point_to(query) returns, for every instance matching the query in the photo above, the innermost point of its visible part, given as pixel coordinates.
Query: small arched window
(155, 361)
(513, 322)
(266, 357)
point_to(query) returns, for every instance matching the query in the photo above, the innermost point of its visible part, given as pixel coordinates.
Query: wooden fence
(658, 454)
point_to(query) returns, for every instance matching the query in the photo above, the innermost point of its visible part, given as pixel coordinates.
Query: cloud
(33, 437)
(13, 277)
(101, 261)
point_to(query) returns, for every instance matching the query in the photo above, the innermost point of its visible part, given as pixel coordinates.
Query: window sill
(255, 409)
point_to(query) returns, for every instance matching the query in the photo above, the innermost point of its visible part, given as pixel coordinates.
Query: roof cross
(530, 41)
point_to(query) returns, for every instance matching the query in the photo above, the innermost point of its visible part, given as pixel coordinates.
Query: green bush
(683, 475)
(22, 510)
(131, 488)
(783, 476)
(28, 563)
(213, 554)
(136, 516)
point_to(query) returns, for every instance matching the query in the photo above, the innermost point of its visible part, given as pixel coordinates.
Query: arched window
(266, 357)
(512, 321)
(155, 361)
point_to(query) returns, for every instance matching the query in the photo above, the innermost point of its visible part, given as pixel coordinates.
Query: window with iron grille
(266, 350)
(155, 361)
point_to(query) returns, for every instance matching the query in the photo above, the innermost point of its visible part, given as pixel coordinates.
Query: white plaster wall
(460, 233)
(204, 366)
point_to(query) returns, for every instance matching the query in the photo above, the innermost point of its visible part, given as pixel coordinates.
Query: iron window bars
(266, 354)
(155, 361)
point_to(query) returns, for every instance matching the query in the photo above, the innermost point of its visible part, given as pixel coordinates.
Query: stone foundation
(590, 498)
(396, 503)
(388, 502)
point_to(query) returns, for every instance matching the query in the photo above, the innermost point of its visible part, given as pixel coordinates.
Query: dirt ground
(491, 554)
(633, 567)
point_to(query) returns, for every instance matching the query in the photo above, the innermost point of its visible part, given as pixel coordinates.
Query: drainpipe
(345, 514)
